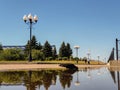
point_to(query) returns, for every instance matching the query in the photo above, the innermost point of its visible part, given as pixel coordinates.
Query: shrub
(59, 58)
(12, 54)
(76, 58)
(37, 55)
(49, 58)
(64, 58)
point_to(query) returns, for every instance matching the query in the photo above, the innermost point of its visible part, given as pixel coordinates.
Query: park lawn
(52, 62)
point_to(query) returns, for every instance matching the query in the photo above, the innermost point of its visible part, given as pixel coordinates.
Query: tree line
(39, 52)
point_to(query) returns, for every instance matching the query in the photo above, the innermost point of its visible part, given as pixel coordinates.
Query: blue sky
(92, 24)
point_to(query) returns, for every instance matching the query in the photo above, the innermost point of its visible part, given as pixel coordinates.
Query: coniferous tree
(34, 43)
(54, 52)
(1, 48)
(69, 50)
(62, 50)
(34, 46)
(27, 47)
(47, 50)
(65, 50)
(39, 46)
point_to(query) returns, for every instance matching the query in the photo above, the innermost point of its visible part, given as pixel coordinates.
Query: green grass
(52, 62)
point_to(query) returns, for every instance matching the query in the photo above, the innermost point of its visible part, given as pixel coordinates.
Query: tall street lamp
(98, 58)
(30, 20)
(88, 54)
(76, 47)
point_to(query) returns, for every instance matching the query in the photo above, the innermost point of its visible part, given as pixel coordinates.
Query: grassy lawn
(52, 62)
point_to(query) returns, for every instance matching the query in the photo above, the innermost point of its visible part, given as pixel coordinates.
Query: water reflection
(77, 83)
(33, 79)
(66, 78)
(89, 74)
(115, 74)
(86, 78)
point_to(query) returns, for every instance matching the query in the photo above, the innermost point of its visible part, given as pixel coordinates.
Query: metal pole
(98, 59)
(76, 52)
(116, 49)
(30, 53)
(88, 58)
(118, 80)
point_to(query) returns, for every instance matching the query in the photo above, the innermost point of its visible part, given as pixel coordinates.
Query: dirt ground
(39, 66)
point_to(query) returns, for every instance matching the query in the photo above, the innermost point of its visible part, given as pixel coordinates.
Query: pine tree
(1, 48)
(62, 50)
(27, 47)
(54, 52)
(39, 46)
(34, 43)
(69, 50)
(65, 50)
(47, 50)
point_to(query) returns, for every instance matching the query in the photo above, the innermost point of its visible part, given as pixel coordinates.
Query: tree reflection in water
(66, 78)
(34, 79)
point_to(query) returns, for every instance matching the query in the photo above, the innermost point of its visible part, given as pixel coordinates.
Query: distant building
(11, 47)
(22, 47)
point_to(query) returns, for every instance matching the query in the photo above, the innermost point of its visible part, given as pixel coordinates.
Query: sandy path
(38, 66)
(28, 66)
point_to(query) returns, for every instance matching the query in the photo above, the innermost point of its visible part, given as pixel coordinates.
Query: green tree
(65, 51)
(34, 43)
(39, 46)
(27, 47)
(1, 48)
(12, 54)
(37, 54)
(68, 50)
(54, 52)
(62, 50)
(47, 50)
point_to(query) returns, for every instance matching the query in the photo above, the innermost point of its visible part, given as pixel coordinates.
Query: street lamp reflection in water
(89, 74)
(77, 83)
(99, 72)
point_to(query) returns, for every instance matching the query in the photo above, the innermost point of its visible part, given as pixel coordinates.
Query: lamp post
(98, 58)
(30, 20)
(76, 47)
(88, 54)
(117, 51)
